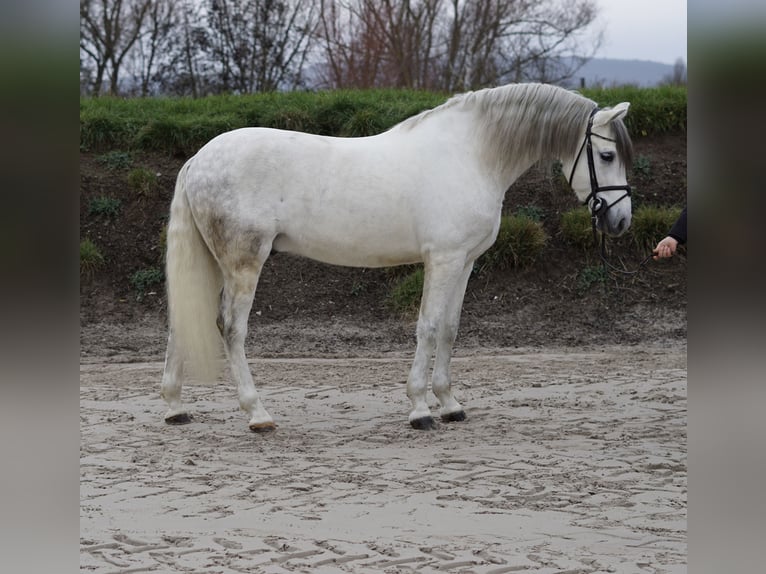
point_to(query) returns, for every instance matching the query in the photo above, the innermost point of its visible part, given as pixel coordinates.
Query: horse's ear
(606, 116)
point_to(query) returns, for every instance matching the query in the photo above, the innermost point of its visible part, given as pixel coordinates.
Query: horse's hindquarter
(373, 201)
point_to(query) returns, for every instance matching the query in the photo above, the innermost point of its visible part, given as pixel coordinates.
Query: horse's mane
(533, 120)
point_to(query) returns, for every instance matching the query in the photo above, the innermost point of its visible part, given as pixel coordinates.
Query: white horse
(428, 190)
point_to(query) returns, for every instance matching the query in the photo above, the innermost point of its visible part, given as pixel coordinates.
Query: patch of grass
(589, 276)
(364, 122)
(106, 206)
(99, 131)
(90, 258)
(143, 181)
(519, 242)
(576, 227)
(116, 159)
(144, 280)
(405, 295)
(651, 223)
(335, 112)
(182, 135)
(294, 119)
(163, 243)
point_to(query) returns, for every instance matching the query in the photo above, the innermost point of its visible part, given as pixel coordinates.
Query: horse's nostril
(621, 225)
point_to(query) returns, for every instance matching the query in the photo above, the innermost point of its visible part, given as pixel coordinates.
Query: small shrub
(90, 258)
(357, 288)
(406, 293)
(143, 181)
(642, 166)
(532, 212)
(595, 274)
(519, 242)
(576, 227)
(116, 159)
(145, 279)
(106, 206)
(650, 224)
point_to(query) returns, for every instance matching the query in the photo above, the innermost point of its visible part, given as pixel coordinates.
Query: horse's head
(597, 170)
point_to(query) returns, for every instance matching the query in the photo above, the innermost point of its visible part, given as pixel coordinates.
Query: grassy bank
(182, 125)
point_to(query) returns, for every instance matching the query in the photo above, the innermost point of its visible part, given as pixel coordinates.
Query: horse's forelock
(623, 142)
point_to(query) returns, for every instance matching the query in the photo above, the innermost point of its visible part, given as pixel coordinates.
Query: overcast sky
(643, 30)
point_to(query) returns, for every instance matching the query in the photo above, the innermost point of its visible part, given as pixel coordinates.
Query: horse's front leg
(451, 410)
(443, 276)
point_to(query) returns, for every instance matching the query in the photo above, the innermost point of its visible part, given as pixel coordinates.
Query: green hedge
(182, 125)
(185, 124)
(653, 111)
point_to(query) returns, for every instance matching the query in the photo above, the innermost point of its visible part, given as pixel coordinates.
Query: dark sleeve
(678, 231)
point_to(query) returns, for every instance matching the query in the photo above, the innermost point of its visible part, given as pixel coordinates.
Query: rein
(598, 206)
(603, 255)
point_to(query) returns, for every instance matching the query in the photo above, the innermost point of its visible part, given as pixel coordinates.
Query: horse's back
(374, 201)
(339, 200)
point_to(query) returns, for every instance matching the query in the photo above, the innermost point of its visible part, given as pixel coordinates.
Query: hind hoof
(423, 423)
(454, 417)
(263, 427)
(179, 419)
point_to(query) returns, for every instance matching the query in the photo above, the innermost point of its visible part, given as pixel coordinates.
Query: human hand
(665, 248)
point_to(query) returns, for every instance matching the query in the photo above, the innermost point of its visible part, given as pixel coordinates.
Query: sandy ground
(571, 461)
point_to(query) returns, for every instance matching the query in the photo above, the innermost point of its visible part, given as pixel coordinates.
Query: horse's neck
(462, 128)
(505, 160)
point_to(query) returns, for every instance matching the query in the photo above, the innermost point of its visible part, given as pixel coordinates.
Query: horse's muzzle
(614, 227)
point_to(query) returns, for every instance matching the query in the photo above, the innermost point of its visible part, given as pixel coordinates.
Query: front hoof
(455, 417)
(263, 427)
(423, 423)
(179, 419)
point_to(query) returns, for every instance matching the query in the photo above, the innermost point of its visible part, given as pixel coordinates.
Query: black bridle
(598, 205)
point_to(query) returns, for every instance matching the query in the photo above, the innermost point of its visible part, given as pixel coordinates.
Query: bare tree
(211, 46)
(155, 44)
(261, 45)
(108, 31)
(678, 76)
(351, 53)
(457, 44)
(371, 43)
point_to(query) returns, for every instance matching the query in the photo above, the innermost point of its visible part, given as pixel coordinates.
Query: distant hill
(607, 72)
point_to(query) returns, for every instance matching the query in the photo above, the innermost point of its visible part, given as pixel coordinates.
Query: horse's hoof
(263, 427)
(423, 423)
(179, 419)
(455, 417)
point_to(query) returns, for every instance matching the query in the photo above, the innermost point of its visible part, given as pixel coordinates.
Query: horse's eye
(607, 155)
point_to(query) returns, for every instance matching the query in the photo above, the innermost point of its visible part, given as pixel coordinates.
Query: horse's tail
(194, 282)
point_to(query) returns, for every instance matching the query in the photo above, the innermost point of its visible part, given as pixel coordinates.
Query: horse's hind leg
(451, 410)
(236, 302)
(170, 389)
